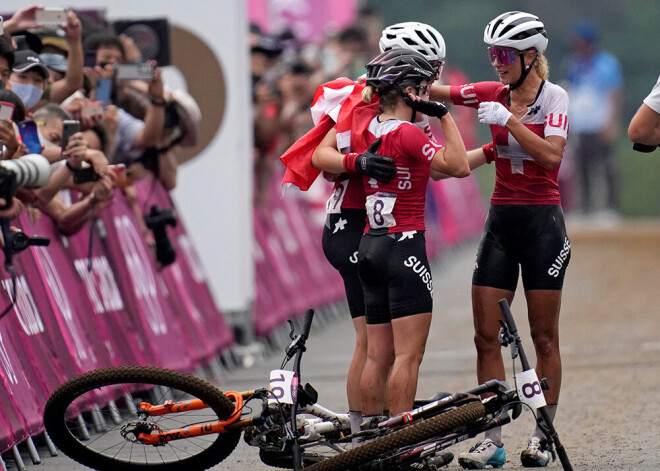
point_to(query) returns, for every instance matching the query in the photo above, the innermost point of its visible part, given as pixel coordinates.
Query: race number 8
(379, 209)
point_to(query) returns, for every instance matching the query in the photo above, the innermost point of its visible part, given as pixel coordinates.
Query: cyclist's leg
(341, 248)
(411, 304)
(543, 312)
(486, 315)
(495, 277)
(543, 266)
(410, 334)
(380, 355)
(380, 350)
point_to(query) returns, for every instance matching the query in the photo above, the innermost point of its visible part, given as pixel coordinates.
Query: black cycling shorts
(341, 238)
(523, 238)
(395, 276)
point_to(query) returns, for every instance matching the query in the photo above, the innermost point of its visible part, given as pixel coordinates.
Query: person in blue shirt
(594, 83)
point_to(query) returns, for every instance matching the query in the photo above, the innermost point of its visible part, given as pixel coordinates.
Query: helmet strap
(525, 70)
(414, 112)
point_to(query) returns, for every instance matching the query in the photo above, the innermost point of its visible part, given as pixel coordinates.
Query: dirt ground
(608, 418)
(610, 340)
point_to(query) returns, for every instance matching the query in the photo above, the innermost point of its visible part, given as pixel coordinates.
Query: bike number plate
(529, 389)
(283, 387)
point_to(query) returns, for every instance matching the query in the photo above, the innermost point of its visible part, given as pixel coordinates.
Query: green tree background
(628, 29)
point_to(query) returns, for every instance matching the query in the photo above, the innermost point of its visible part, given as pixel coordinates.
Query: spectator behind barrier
(133, 135)
(29, 77)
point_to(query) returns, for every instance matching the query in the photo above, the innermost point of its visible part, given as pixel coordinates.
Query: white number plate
(283, 387)
(529, 389)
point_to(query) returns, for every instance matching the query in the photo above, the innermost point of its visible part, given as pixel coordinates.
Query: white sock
(552, 410)
(355, 417)
(495, 434)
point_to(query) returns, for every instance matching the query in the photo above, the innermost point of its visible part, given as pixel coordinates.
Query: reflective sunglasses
(505, 56)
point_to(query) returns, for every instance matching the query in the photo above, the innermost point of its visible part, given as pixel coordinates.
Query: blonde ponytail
(368, 93)
(541, 66)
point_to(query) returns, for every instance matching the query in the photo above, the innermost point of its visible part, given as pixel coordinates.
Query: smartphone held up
(30, 136)
(69, 128)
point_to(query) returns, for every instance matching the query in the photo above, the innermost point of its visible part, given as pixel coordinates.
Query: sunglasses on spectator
(505, 56)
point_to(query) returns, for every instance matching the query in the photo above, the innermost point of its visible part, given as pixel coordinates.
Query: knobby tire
(437, 426)
(59, 426)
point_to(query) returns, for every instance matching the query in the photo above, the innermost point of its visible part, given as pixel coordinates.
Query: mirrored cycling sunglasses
(505, 56)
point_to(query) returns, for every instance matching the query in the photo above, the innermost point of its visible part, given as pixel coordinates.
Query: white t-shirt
(653, 100)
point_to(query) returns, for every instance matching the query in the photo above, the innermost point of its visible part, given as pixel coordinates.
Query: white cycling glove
(492, 112)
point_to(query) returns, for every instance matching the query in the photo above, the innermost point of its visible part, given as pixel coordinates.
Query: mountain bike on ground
(150, 418)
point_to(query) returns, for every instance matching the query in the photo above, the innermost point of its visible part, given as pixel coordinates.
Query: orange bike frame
(170, 407)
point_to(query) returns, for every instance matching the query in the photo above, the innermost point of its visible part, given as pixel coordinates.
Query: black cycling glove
(371, 164)
(375, 166)
(429, 108)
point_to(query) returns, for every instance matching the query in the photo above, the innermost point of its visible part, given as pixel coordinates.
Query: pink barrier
(21, 413)
(73, 314)
(107, 309)
(205, 324)
(135, 271)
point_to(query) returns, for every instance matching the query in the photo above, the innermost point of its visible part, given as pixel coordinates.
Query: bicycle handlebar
(307, 323)
(508, 317)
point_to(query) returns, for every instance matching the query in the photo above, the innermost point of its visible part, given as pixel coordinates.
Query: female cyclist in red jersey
(346, 213)
(393, 265)
(525, 230)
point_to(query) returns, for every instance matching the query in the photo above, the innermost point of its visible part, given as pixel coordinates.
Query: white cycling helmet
(419, 37)
(517, 30)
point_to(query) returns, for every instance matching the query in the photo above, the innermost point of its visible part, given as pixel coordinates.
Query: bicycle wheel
(417, 432)
(109, 399)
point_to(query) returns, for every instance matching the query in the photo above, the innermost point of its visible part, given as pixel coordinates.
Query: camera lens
(32, 170)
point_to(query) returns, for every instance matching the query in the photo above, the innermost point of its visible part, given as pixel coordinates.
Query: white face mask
(28, 93)
(45, 142)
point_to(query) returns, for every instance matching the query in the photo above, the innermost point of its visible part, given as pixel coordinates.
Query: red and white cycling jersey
(519, 179)
(399, 204)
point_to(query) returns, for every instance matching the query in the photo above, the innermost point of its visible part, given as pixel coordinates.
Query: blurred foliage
(629, 30)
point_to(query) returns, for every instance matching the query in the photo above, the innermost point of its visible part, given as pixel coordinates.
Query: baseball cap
(52, 36)
(54, 61)
(27, 59)
(586, 30)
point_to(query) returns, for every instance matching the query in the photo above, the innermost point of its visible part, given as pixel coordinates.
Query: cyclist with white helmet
(525, 230)
(419, 37)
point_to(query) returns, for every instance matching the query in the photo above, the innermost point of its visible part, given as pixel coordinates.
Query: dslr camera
(29, 171)
(157, 220)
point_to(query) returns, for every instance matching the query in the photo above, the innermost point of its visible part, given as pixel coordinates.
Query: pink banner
(309, 20)
(20, 380)
(135, 270)
(25, 328)
(292, 273)
(204, 324)
(85, 337)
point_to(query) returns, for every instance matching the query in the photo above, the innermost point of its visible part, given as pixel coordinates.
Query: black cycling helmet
(397, 65)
